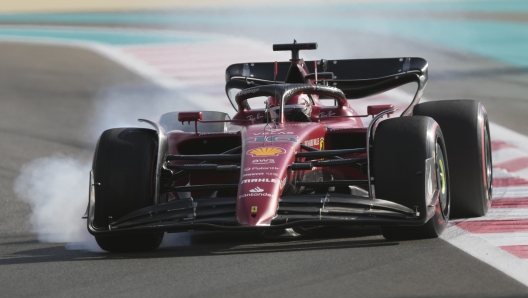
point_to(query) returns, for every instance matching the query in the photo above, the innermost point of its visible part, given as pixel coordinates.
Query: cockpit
(298, 108)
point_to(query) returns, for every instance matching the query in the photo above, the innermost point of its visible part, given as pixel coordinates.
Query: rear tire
(125, 165)
(404, 148)
(466, 131)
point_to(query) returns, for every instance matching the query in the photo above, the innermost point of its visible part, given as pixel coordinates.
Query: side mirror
(374, 110)
(189, 116)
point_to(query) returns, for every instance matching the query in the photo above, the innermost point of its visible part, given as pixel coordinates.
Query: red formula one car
(295, 164)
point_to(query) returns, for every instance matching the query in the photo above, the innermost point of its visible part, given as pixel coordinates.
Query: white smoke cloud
(56, 189)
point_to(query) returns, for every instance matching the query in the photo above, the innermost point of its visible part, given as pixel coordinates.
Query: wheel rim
(442, 180)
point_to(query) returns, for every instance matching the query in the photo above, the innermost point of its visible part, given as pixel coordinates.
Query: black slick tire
(464, 124)
(124, 168)
(409, 163)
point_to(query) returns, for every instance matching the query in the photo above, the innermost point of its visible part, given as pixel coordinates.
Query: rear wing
(357, 78)
(349, 69)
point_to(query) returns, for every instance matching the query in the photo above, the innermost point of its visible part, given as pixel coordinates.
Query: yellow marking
(254, 209)
(321, 145)
(266, 151)
(442, 175)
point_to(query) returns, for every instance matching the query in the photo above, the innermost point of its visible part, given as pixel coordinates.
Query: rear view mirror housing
(374, 110)
(189, 116)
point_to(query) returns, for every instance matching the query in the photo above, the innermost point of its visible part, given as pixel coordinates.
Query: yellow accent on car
(442, 175)
(266, 151)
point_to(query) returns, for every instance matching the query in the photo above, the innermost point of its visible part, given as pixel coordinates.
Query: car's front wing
(219, 214)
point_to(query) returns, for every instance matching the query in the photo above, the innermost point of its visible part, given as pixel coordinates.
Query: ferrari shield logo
(254, 209)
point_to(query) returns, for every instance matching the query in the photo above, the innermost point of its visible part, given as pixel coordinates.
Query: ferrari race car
(302, 160)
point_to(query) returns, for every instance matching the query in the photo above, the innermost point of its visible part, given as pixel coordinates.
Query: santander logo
(256, 189)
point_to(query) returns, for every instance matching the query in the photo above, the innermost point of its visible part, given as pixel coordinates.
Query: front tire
(467, 137)
(124, 168)
(409, 164)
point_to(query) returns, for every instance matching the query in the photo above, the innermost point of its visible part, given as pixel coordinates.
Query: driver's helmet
(298, 108)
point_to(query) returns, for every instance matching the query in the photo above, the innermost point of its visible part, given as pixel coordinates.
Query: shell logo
(266, 151)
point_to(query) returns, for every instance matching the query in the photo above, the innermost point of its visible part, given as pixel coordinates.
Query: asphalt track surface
(48, 95)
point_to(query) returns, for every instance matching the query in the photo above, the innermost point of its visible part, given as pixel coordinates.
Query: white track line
(506, 239)
(500, 173)
(503, 214)
(507, 154)
(510, 192)
(504, 134)
(487, 252)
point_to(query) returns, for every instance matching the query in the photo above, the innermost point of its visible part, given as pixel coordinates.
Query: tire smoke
(56, 189)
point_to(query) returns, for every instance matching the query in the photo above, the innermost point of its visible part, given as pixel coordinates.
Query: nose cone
(257, 200)
(267, 152)
(263, 177)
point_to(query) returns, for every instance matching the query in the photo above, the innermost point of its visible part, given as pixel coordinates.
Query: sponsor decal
(325, 115)
(248, 91)
(296, 124)
(256, 189)
(254, 209)
(344, 128)
(266, 151)
(218, 133)
(321, 144)
(255, 194)
(259, 180)
(259, 174)
(253, 118)
(263, 161)
(311, 143)
(277, 133)
(252, 174)
(262, 139)
(261, 169)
